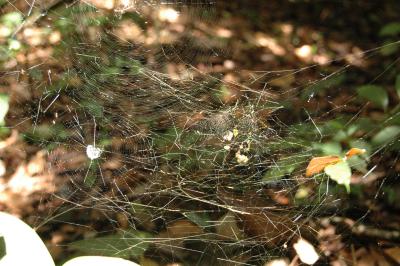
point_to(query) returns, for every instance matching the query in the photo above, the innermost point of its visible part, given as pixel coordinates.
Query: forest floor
(248, 46)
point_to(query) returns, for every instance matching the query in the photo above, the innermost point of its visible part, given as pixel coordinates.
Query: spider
(93, 153)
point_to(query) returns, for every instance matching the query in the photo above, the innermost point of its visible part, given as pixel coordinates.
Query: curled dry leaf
(354, 151)
(306, 251)
(318, 164)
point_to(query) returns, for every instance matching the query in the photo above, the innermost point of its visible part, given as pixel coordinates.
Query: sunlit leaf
(12, 19)
(386, 135)
(98, 261)
(3, 107)
(375, 94)
(340, 172)
(318, 164)
(14, 45)
(22, 244)
(306, 252)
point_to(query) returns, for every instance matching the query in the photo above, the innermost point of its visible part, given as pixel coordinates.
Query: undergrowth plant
(193, 166)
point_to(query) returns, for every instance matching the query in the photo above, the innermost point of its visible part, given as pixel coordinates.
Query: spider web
(227, 155)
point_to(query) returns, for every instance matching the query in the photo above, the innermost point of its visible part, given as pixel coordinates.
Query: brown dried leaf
(394, 253)
(318, 164)
(354, 151)
(183, 229)
(270, 227)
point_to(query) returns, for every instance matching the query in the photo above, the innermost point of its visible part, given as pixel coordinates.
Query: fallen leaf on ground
(394, 253)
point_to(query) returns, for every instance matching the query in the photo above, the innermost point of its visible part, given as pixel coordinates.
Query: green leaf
(284, 166)
(14, 45)
(390, 29)
(126, 244)
(386, 135)
(201, 219)
(397, 85)
(3, 107)
(358, 163)
(95, 108)
(329, 148)
(91, 175)
(389, 48)
(341, 173)
(375, 94)
(3, 250)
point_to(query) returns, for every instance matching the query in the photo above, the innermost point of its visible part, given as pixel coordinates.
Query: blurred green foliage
(191, 150)
(375, 94)
(125, 244)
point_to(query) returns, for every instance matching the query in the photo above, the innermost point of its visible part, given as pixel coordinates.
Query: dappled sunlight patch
(180, 72)
(35, 36)
(22, 183)
(356, 57)
(35, 55)
(26, 185)
(183, 133)
(168, 15)
(269, 42)
(130, 31)
(102, 4)
(55, 37)
(224, 32)
(164, 36)
(286, 28)
(4, 31)
(277, 262)
(305, 52)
